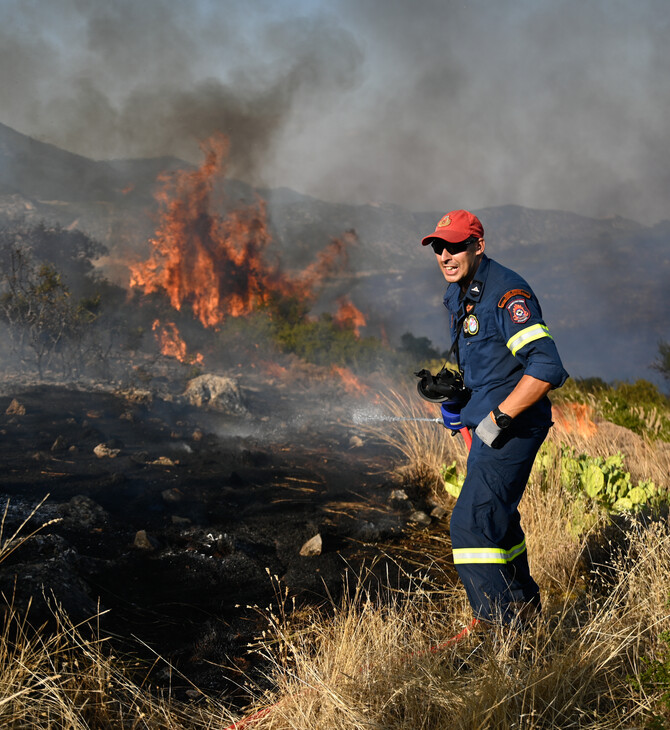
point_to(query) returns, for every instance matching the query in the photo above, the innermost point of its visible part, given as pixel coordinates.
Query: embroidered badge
(444, 221)
(471, 325)
(513, 293)
(518, 311)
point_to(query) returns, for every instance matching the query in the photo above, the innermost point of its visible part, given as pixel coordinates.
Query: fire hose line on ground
(247, 722)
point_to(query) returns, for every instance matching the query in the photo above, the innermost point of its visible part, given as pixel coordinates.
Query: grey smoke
(433, 104)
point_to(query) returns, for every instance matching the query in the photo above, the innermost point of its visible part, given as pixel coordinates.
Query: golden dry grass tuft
(386, 662)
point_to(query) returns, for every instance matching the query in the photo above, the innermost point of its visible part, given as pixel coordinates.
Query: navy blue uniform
(500, 336)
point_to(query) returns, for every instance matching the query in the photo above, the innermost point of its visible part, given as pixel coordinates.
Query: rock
(180, 521)
(172, 495)
(15, 409)
(215, 392)
(312, 547)
(137, 396)
(438, 512)
(143, 541)
(83, 511)
(419, 518)
(103, 451)
(399, 500)
(164, 461)
(368, 532)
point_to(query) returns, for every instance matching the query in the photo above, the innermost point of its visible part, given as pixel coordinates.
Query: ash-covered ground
(173, 515)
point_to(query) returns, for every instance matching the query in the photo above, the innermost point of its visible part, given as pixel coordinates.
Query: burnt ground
(177, 532)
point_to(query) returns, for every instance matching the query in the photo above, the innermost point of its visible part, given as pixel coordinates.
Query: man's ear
(481, 245)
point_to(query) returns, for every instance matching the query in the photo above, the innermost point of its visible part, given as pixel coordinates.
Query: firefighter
(509, 362)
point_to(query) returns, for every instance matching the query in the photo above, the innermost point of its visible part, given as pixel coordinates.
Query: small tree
(662, 362)
(36, 305)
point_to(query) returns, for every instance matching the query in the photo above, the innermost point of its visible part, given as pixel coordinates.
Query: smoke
(434, 104)
(128, 79)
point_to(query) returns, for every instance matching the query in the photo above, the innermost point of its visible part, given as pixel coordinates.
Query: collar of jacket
(453, 297)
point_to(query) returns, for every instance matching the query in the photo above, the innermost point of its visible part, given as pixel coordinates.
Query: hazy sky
(432, 104)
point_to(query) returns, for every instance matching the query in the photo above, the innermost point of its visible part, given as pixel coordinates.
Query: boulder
(216, 392)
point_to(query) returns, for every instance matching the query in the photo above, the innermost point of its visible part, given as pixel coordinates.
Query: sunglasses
(439, 245)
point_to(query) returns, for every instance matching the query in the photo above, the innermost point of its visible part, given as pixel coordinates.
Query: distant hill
(603, 282)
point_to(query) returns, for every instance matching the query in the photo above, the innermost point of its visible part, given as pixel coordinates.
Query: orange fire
(171, 343)
(217, 264)
(575, 418)
(349, 316)
(350, 382)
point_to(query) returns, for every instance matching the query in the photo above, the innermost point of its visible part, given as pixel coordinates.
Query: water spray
(365, 417)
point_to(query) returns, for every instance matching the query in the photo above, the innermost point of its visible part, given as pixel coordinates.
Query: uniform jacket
(501, 336)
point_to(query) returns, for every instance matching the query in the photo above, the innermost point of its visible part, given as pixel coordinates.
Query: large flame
(214, 263)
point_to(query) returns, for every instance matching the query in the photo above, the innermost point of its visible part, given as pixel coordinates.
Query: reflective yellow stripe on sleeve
(488, 555)
(530, 334)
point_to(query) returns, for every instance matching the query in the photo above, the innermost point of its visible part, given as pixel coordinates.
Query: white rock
(313, 546)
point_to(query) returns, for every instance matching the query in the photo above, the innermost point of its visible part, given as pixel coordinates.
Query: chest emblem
(470, 325)
(518, 311)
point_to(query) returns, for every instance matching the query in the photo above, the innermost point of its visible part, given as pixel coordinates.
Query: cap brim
(450, 236)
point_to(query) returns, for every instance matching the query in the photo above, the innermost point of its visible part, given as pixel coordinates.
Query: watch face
(502, 419)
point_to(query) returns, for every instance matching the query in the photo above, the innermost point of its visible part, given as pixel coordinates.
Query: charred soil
(173, 519)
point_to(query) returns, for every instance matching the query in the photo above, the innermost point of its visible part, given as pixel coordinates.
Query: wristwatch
(502, 419)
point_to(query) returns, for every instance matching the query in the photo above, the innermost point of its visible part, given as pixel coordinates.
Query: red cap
(455, 227)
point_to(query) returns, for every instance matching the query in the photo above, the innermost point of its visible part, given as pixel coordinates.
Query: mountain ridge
(605, 302)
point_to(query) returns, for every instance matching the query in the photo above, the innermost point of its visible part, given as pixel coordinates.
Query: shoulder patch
(518, 310)
(513, 293)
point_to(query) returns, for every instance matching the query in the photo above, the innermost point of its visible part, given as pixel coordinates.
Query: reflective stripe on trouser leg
(488, 543)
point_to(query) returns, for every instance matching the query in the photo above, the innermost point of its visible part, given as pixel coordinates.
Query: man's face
(460, 267)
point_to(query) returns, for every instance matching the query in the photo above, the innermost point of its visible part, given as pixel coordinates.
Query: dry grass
(424, 445)
(384, 661)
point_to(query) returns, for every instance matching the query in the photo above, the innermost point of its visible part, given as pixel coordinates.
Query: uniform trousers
(488, 543)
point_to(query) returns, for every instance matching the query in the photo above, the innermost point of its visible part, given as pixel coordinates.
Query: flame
(349, 316)
(575, 418)
(217, 264)
(350, 382)
(171, 343)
